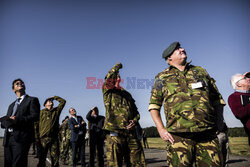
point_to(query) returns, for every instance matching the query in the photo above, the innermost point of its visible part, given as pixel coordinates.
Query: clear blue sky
(54, 45)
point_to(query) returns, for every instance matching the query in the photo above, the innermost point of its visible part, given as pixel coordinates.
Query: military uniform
(65, 133)
(48, 132)
(120, 108)
(189, 111)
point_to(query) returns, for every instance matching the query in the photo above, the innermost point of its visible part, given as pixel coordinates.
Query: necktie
(14, 112)
(15, 106)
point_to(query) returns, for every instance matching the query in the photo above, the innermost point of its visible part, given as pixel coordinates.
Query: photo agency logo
(128, 83)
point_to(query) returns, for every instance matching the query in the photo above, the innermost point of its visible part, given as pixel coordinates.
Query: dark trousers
(16, 154)
(96, 142)
(78, 148)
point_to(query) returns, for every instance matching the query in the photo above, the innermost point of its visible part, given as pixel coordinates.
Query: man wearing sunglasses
(19, 126)
(239, 100)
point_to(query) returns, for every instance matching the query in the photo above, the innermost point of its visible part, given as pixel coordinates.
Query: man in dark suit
(96, 136)
(19, 126)
(78, 130)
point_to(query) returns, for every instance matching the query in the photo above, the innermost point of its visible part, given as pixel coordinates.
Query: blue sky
(55, 45)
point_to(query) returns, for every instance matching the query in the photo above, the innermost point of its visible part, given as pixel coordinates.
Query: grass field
(238, 145)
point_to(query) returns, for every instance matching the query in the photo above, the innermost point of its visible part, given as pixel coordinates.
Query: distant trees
(151, 132)
(236, 132)
(232, 132)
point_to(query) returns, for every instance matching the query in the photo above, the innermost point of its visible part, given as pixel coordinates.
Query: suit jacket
(78, 132)
(95, 123)
(26, 114)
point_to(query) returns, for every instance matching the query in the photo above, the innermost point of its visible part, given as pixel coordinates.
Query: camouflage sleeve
(137, 117)
(68, 132)
(156, 98)
(109, 82)
(62, 103)
(215, 96)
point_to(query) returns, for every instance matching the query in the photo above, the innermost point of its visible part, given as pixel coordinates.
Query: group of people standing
(70, 137)
(193, 109)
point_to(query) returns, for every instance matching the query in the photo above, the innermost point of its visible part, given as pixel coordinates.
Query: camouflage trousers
(66, 152)
(127, 147)
(52, 145)
(184, 152)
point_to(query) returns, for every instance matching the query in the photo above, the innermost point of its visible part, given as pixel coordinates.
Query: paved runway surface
(154, 158)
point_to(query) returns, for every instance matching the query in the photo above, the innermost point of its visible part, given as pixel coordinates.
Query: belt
(113, 134)
(198, 136)
(122, 134)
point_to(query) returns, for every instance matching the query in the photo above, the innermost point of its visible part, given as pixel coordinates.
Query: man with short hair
(19, 126)
(192, 105)
(96, 137)
(120, 123)
(49, 130)
(78, 131)
(239, 100)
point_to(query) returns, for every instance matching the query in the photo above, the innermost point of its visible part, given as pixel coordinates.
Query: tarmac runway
(154, 158)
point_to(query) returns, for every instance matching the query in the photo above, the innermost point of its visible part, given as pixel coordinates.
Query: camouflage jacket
(186, 109)
(119, 104)
(64, 130)
(49, 119)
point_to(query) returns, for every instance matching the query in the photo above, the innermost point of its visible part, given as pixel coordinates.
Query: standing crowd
(195, 131)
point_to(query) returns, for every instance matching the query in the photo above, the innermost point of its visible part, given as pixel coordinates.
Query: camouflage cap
(167, 52)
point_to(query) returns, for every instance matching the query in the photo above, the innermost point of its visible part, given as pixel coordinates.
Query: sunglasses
(18, 83)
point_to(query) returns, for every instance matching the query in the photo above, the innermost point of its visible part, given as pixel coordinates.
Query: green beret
(168, 52)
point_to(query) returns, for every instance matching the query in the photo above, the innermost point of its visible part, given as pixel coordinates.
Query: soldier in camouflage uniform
(120, 121)
(49, 130)
(66, 152)
(69, 160)
(64, 141)
(192, 104)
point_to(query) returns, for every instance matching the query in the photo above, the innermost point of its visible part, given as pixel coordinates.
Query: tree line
(232, 132)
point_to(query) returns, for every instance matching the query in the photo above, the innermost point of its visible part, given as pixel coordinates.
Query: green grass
(238, 145)
(156, 143)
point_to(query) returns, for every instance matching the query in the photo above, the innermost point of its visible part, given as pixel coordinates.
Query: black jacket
(23, 127)
(95, 123)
